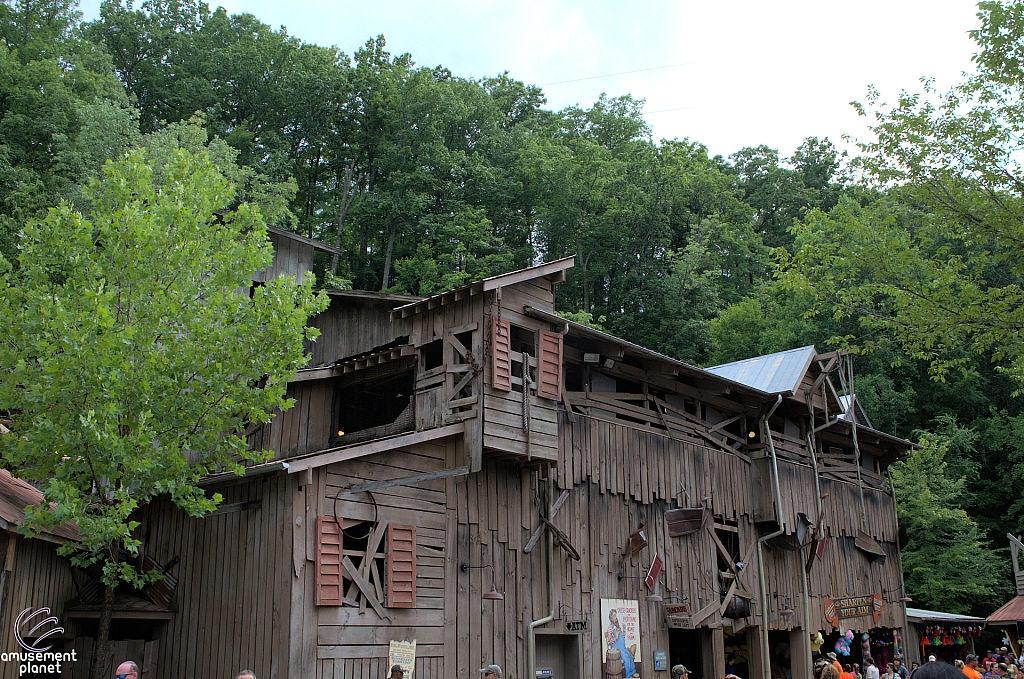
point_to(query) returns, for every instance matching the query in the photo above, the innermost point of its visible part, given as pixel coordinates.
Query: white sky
(755, 72)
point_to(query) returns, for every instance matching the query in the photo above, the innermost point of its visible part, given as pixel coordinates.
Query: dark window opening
(523, 340)
(573, 377)
(466, 340)
(432, 355)
(379, 404)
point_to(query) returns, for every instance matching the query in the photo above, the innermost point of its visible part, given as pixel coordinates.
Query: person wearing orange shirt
(970, 669)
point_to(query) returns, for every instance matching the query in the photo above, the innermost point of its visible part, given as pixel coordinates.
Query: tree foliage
(132, 358)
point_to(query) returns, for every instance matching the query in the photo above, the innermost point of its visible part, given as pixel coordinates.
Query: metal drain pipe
(531, 637)
(765, 659)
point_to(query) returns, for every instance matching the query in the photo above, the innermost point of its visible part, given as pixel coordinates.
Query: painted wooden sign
(853, 607)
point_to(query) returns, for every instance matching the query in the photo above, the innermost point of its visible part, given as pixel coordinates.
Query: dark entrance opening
(780, 652)
(684, 649)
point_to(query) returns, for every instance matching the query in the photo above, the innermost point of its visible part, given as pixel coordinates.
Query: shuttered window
(401, 567)
(549, 365)
(501, 354)
(328, 562)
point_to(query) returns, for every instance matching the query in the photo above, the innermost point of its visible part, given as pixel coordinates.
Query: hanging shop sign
(853, 607)
(577, 626)
(677, 616)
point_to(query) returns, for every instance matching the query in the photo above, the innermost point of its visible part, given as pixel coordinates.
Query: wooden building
(476, 474)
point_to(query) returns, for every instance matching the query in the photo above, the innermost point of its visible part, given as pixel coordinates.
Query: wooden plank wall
(353, 642)
(291, 258)
(232, 600)
(305, 428)
(350, 326)
(38, 578)
(503, 410)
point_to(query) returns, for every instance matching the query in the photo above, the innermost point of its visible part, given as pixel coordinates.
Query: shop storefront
(947, 636)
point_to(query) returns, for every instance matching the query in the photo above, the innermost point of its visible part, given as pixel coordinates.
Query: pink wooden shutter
(549, 365)
(401, 566)
(501, 354)
(328, 562)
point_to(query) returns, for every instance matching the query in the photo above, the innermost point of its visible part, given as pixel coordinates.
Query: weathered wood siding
(617, 476)
(232, 603)
(350, 326)
(35, 576)
(291, 258)
(334, 641)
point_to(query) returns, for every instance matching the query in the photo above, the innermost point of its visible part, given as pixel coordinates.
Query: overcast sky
(736, 74)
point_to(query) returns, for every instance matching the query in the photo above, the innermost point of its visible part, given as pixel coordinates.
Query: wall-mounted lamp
(903, 600)
(787, 611)
(494, 594)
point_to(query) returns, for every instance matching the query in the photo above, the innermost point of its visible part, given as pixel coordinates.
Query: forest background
(907, 253)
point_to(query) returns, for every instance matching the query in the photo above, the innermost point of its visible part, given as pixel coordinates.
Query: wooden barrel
(614, 667)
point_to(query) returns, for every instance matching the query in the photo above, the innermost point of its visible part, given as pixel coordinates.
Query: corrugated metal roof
(922, 615)
(774, 373)
(1011, 611)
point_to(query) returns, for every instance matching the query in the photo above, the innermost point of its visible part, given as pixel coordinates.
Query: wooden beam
(406, 480)
(540, 529)
(366, 588)
(340, 454)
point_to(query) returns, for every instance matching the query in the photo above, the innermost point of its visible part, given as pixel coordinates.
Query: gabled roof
(556, 267)
(1008, 613)
(315, 244)
(862, 417)
(15, 495)
(777, 373)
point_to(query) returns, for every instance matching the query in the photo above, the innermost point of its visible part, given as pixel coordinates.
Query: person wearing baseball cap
(679, 671)
(491, 671)
(396, 672)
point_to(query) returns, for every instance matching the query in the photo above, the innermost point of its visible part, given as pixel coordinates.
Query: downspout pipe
(765, 657)
(531, 637)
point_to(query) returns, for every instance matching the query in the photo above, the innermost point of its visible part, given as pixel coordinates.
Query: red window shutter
(328, 562)
(501, 354)
(549, 365)
(401, 567)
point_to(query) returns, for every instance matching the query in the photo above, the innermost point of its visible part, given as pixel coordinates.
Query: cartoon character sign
(620, 637)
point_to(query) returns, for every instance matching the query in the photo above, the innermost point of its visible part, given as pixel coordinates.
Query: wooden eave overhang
(391, 352)
(316, 245)
(865, 434)
(670, 368)
(556, 270)
(372, 296)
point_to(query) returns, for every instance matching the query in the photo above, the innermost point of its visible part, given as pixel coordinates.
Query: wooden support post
(800, 653)
(712, 651)
(755, 653)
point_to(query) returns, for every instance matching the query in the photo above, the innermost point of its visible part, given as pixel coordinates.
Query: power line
(682, 108)
(639, 70)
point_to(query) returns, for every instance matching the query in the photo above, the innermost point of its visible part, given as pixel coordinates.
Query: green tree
(132, 356)
(937, 264)
(947, 563)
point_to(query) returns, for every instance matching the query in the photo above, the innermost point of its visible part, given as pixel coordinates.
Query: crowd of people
(1000, 664)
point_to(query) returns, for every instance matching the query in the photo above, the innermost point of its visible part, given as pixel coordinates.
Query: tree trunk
(348, 194)
(101, 648)
(387, 257)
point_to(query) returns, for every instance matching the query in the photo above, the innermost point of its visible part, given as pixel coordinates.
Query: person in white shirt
(870, 670)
